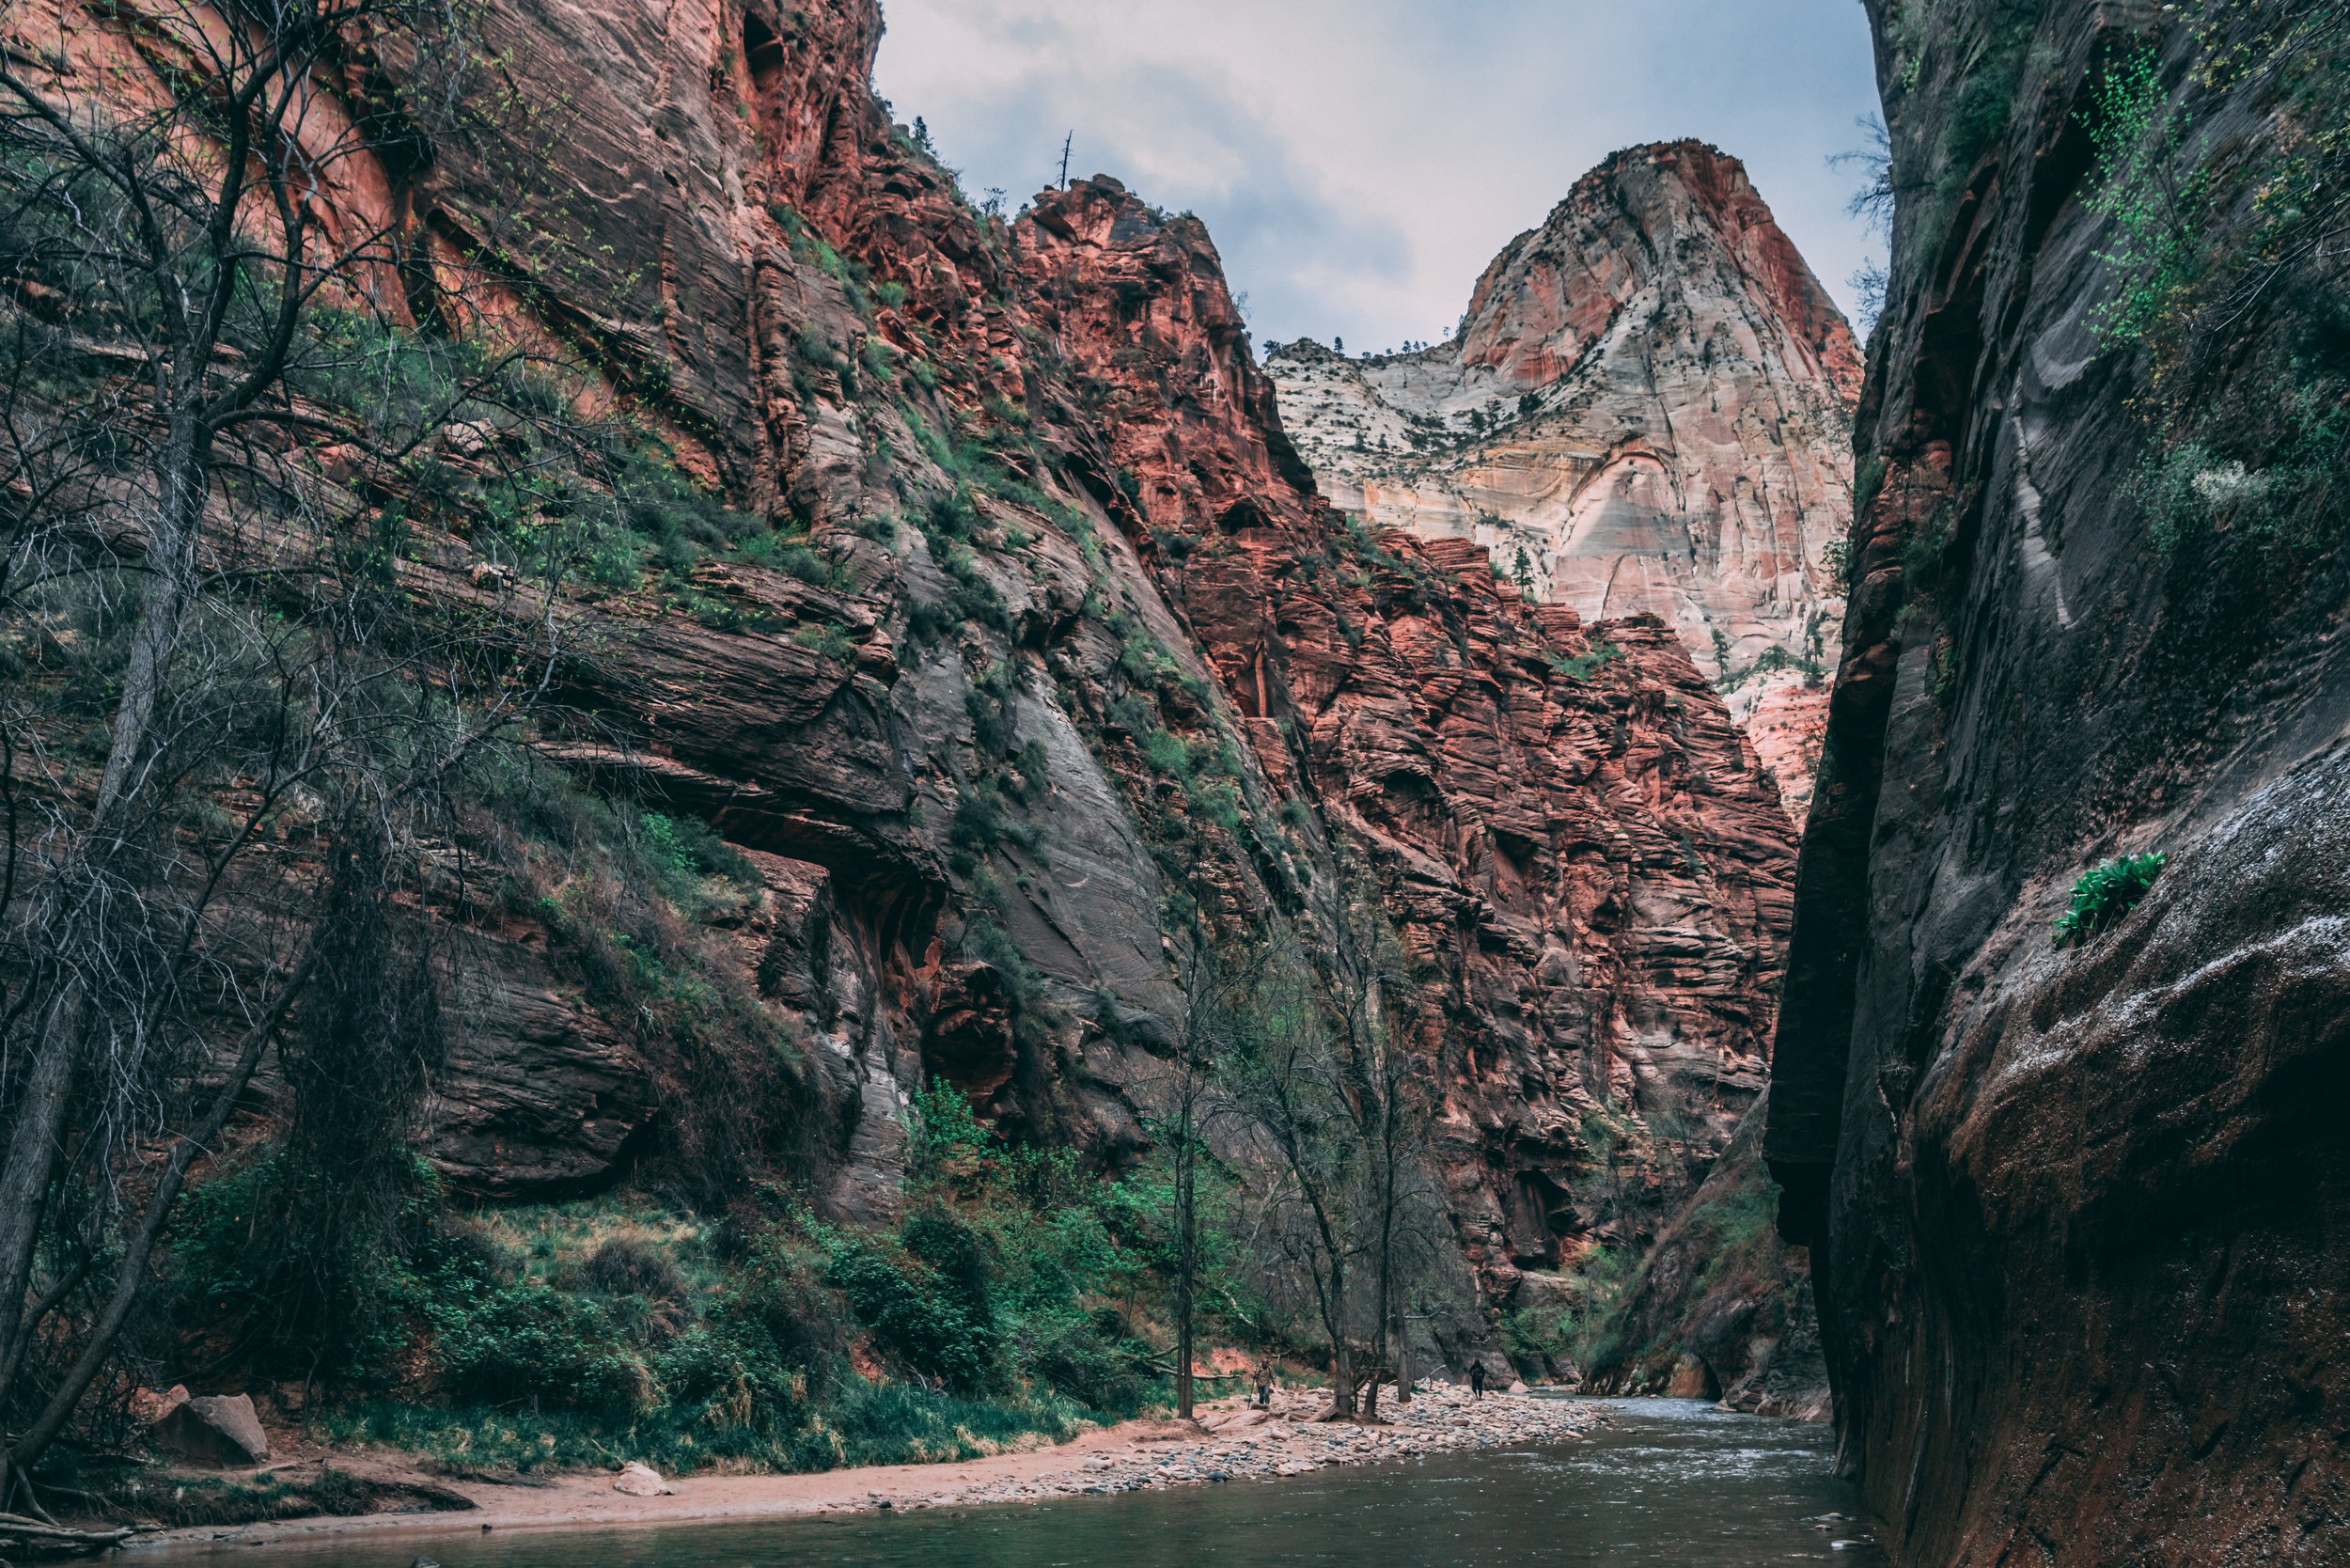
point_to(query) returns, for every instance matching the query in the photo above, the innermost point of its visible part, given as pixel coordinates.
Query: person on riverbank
(1477, 1380)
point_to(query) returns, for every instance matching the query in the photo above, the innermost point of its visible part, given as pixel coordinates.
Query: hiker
(1477, 1380)
(1265, 1386)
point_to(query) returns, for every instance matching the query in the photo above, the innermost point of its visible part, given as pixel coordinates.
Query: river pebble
(1249, 1445)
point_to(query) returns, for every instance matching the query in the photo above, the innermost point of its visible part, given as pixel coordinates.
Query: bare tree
(1285, 1074)
(244, 718)
(1325, 1072)
(1211, 979)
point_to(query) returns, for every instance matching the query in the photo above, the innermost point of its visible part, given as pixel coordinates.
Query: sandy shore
(1229, 1443)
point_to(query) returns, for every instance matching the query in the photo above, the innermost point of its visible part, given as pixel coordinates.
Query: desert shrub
(2104, 893)
(927, 619)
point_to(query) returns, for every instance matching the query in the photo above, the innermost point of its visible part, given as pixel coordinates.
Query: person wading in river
(1477, 1380)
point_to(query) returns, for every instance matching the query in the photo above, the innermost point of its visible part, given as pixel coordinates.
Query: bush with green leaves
(936, 1322)
(548, 1347)
(2104, 893)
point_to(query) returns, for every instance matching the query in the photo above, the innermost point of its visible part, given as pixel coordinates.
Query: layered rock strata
(1089, 647)
(2080, 1209)
(1644, 411)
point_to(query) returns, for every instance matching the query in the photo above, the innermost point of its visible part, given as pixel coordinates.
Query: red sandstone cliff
(1059, 420)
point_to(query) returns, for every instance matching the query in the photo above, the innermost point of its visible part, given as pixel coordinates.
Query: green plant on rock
(1581, 667)
(2104, 893)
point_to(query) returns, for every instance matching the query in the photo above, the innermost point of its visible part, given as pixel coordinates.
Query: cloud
(1359, 163)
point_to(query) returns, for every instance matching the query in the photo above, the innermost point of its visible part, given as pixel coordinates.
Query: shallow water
(1669, 1481)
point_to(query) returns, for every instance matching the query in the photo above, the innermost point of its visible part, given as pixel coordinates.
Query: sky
(1358, 162)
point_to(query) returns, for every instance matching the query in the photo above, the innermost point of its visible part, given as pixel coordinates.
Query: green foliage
(685, 848)
(1531, 1335)
(831, 639)
(1168, 754)
(947, 1141)
(2228, 295)
(243, 1261)
(2104, 893)
(1837, 559)
(931, 1317)
(548, 1346)
(1580, 668)
(2157, 250)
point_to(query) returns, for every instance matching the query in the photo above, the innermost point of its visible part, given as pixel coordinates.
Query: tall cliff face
(2082, 1208)
(1644, 413)
(1085, 646)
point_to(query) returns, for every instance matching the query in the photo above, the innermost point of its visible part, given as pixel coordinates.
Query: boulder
(215, 1429)
(148, 1408)
(641, 1480)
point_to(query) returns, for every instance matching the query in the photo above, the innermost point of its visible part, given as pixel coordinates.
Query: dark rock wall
(2077, 1213)
(1722, 1306)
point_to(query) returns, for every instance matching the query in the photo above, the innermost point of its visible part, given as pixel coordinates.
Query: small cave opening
(762, 54)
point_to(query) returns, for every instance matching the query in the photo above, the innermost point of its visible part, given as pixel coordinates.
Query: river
(1668, 1481)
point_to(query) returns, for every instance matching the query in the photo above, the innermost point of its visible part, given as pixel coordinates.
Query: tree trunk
(33, 1153)
(29, 1448)
(1186, 1243)
(33, 1146)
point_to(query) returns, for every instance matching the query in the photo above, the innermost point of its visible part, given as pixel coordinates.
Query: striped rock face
(1645, 412)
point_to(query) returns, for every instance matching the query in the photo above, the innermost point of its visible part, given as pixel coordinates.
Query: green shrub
(1836, 561)
(2104, 893)
(925, 1320)
(546, 1347)
(1531, 1335)
(1222, 802)
(831, 639)
(1089, 1359)
(684, 847)
(1168, 754)
(1580, 668)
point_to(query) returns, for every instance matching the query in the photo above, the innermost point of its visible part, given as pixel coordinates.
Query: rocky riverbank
(1229, 1443)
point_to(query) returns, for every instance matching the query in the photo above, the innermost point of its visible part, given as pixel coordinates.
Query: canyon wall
(1081, 650)
(2078, 1210)
(1644, 411)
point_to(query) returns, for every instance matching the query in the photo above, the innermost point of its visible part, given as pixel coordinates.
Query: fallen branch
(19, 1525)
